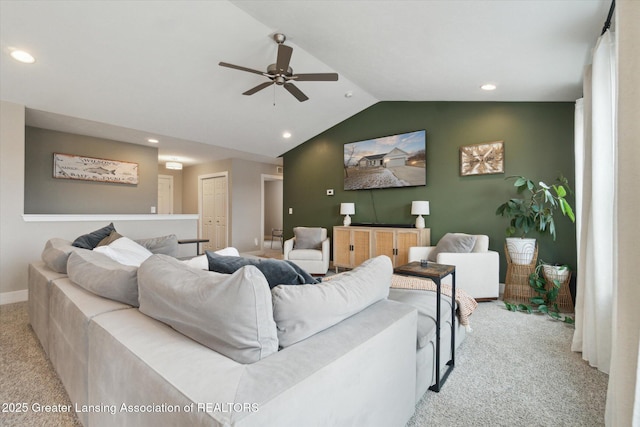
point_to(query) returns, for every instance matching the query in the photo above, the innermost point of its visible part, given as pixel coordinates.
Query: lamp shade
(420, 208)
(347, 208)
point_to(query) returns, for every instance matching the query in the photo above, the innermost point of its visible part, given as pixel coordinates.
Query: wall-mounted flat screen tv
(387, 162)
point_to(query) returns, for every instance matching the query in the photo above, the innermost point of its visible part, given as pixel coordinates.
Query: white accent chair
(312, 252)
(477, 272)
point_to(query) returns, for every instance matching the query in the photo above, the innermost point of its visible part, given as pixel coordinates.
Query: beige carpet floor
(514, 369)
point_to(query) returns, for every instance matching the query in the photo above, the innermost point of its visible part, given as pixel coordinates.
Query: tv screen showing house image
(387, 162)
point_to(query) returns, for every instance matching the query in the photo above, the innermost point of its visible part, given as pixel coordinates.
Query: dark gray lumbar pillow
(277, 272)
(456, 243)
(91, 240)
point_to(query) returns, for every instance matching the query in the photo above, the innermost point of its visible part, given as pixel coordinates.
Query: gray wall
(245, 189)
(44, 194)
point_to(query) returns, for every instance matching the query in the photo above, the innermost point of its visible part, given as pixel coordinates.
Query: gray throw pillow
(453, 243)
(302, 311)
(277, 272)
(166, 245)
(56, 253)
(231, 314)
(99, 274)
(308, 237)
(91, 240)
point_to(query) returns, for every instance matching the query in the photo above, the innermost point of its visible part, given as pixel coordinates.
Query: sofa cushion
(103, 276)
(231, 314)
(125, 251)
(112, 237)
(456, 243)
(302, 311)
(201, 262)
(166, 245)
(56, 253)
(91, 240)
(277, 272)
(309, 237)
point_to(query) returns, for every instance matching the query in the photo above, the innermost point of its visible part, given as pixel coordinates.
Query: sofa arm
(476, 273)
(288, 247)
(417, 253)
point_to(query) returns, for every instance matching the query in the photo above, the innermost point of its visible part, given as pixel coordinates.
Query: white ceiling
(129, 70)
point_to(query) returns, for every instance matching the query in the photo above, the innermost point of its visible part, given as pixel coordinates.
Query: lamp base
(419, 222)
(347, 221)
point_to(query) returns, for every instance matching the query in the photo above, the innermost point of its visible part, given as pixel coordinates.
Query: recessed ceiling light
(488, 86)
(153, 140)
(286, 135)
(22, 56)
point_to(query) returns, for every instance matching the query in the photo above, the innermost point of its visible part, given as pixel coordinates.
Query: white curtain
(595, 206)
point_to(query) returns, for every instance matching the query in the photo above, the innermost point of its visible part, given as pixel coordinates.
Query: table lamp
(420, 208)
(347, 209)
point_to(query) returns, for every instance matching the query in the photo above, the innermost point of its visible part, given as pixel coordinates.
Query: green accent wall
(538, 139)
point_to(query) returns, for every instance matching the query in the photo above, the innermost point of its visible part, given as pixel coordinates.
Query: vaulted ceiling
(132, 70)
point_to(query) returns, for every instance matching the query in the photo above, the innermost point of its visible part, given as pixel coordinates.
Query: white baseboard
(15, 296)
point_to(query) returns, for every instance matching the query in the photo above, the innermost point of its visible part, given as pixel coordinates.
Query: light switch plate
(330, 192)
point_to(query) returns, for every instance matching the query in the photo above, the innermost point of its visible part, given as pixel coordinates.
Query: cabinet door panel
(341, 247)
(406, 239)
(384, 243)
(361, 246)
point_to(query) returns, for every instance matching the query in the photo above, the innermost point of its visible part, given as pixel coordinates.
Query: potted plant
(545, 301)
(533, 211)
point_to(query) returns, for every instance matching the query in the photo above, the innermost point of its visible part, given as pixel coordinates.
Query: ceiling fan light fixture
(173, 165)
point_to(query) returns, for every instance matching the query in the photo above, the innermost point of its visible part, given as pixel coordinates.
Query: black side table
(437, 272)
(196, 241)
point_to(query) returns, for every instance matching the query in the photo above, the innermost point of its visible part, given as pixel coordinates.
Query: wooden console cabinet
(354, 244)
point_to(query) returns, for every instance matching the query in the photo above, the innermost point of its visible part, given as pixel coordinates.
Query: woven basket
(564, 300)
(516, 283)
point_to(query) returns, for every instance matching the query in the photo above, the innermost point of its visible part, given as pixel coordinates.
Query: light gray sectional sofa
(207, 349)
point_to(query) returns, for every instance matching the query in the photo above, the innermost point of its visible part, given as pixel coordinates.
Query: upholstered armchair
(309, 249)
(477, 268)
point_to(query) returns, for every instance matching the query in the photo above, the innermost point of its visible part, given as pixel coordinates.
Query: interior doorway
(165, 194)
(213, 208)
(272, 210)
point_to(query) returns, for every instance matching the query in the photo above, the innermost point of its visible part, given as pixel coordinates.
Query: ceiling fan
(281, 73)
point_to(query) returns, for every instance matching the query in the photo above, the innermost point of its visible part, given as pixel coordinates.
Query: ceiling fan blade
(238, 67)
(258, 88)
(315, 77)
(284, 56)
(293, 90)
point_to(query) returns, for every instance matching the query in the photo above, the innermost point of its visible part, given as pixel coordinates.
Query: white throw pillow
(125, 251)
(202, 263)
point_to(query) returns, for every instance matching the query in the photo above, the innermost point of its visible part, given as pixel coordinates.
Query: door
(165, 194)
(214, 212)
